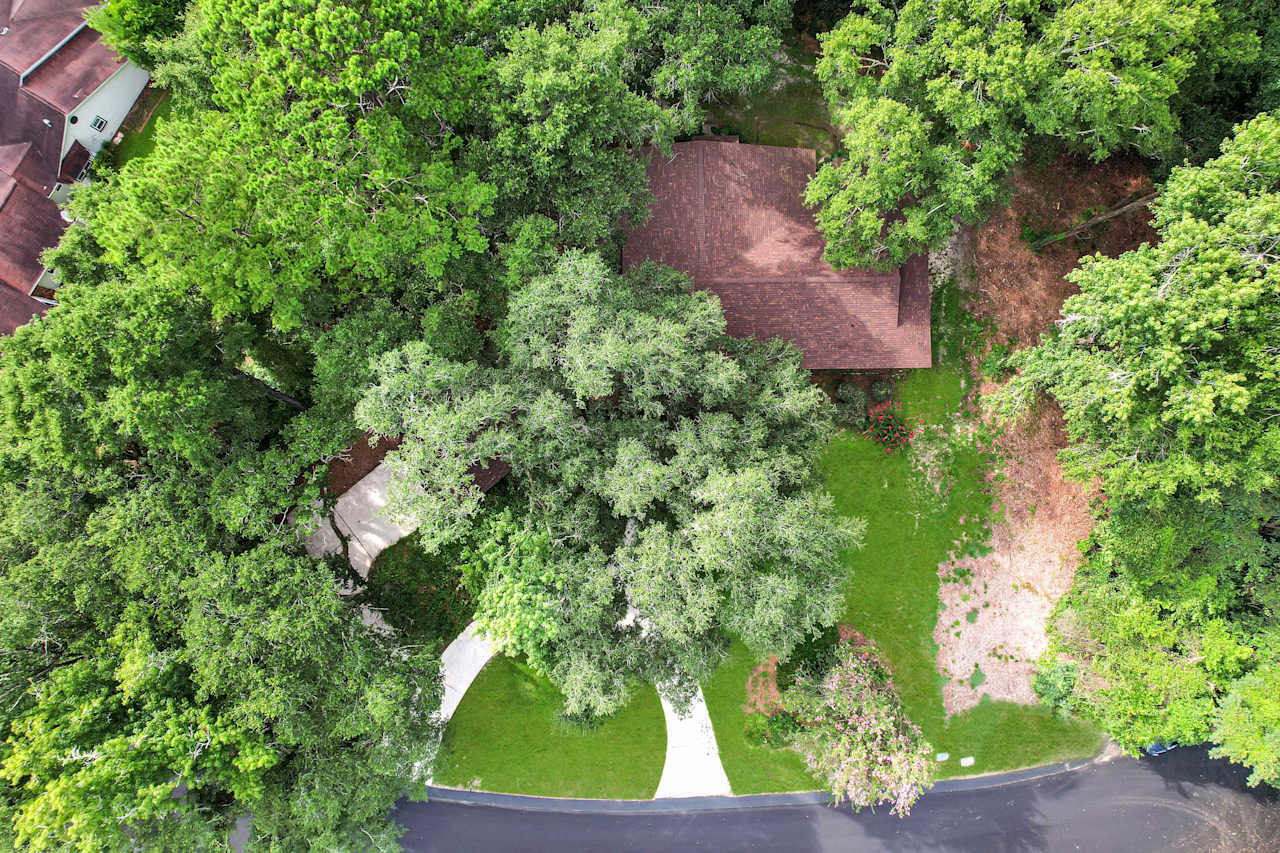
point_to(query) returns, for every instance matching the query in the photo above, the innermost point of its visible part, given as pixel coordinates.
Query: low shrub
(851, 404)
(881, 390)
(888, 427)
(1054, 682)
(812, 658)
(995, 366)
(853, 733)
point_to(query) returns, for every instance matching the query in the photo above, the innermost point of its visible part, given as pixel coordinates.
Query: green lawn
(751, 769)
(892, 589)
(892, 597)
(140, 143)
(507, 736)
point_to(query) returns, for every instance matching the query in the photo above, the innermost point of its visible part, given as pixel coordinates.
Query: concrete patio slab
(359, 516)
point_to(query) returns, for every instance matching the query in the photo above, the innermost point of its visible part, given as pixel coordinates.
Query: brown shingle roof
(74, 73)
(16, 309)
(35, 28)
(30, 222)
(732, 217)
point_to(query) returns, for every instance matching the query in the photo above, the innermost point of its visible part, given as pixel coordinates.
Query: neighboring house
(63, 94)
(732, 217)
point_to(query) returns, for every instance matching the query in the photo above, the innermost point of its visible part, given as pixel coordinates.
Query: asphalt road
(1181, 801)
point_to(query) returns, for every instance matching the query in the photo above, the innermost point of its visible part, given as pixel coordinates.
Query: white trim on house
(22, 78)
(111, 101)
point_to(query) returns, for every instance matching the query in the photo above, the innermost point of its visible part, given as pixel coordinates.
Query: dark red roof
(16, 309)
(74, 73)
(363, 456)
(73, 164)
(30, 222)
(35, 28)
(732, 217)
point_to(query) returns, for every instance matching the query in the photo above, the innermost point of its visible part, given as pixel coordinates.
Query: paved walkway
(358, 514)
(692, 767)
(461, 663)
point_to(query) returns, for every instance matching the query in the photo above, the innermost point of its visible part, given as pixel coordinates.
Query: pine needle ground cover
(507, 735)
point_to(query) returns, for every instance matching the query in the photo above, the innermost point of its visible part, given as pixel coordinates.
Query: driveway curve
(1182, 801)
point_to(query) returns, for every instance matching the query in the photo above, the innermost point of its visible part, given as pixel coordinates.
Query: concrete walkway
(358, 515)
(460, 664)
(692, 767)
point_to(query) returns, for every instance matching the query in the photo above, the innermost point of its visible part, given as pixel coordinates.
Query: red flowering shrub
(888, 427)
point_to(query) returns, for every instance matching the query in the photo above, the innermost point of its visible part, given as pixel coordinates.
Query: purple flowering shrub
(854, 734)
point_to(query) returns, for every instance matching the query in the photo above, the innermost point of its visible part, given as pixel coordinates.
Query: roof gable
(732, 217)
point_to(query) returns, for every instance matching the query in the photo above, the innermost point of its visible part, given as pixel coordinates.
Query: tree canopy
(939, 98)
(1166, 367)
(665, 472)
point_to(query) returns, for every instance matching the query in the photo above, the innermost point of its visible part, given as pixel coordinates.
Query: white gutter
(22, 78)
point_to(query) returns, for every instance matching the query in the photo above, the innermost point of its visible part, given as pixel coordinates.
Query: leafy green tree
(940, 97)
(1247, 724)
(664, 472)
(163, 679)
(324, 173)
(706, 51)
(567, 117)
(130, 26)
(1165, 365)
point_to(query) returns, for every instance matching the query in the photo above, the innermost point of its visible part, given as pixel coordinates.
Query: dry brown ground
(1033, 559)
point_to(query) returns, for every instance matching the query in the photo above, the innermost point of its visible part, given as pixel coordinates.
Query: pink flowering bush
(888, 428)
(853, 733)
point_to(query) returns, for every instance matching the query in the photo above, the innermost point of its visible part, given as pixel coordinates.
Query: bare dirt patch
(995, 607)
(1022, 291)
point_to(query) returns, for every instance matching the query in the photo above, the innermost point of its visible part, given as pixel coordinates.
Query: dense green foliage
(404, 217)
(334, 181)
(667, 470)
(1166, 366)
(937, 100)
(132, 27)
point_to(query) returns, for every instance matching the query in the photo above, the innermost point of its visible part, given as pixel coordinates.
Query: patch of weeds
(977, 677)
(956, 332)
(995, 365)
(972, 616)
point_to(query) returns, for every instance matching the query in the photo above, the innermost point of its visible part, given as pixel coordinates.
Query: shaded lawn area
(751, 769)
(140, 143)
(791, 113)
(507, 736)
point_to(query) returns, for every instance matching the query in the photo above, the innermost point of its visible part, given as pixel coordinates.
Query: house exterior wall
(112, 101)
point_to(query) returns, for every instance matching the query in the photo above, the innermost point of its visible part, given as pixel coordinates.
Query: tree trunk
(1101, 217)
(279, 395)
